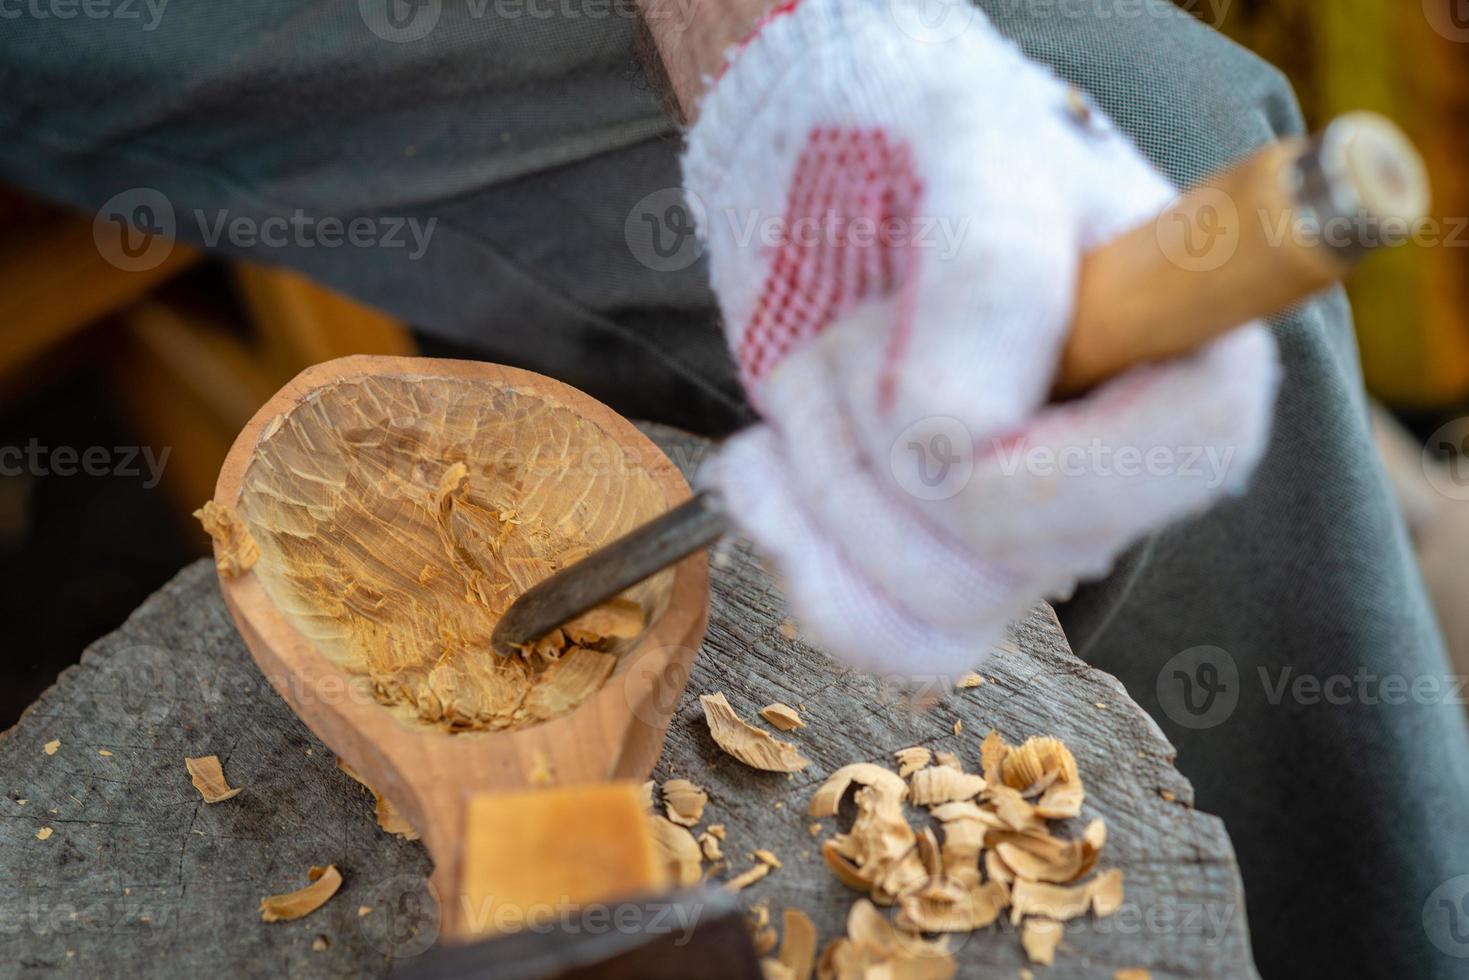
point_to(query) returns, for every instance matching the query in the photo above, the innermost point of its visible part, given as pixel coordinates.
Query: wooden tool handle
(1284, 224)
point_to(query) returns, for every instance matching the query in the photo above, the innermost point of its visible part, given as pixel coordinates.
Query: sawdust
(753, 746)
(303, 901)
(208, 778)
(235, 551)
(397, 518)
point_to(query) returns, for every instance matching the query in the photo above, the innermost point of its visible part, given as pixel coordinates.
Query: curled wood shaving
(943, 784)
(1035, 759)
(648, 795)
(782, 716)
(753, 746)
(1061, 801)
(828, 797)
(948, 905)
(709, 844)
(873, 948)
(798, 944)
(684, 802)
(388, 817)
(912, 760)
(302, 902)
(235, 551)
(717, 829)
(1106, 892)
(678, 850)
(741, 881)
(1040, 937)
(943, 757)
(568, 682)
(616, 619)
(208, 778)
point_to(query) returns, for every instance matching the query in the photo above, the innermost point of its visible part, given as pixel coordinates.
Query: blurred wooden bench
(192, 347)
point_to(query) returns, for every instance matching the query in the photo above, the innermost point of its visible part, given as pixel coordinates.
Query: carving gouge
(1289, 221)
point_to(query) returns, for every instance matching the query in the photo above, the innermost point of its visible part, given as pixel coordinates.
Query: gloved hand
(894, 230)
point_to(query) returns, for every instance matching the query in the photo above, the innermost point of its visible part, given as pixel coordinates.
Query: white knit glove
(916, 316)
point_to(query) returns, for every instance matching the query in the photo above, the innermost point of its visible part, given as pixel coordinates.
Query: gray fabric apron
(527, 132)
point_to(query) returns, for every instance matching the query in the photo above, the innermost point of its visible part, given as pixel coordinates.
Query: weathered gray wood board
(140, 878)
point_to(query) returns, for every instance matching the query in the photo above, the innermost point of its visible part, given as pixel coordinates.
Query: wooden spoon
(377, 433)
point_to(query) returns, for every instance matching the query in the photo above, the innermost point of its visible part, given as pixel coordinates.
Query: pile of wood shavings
(996, 853)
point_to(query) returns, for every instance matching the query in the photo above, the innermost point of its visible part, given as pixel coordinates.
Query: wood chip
(969, 680)
(943, 757)
(992, 752)
(814, 830)
(678, 850)
(873, 948)
(208, 778)
(564, 685)
(958, 726)
(761, 854)
(944, 904)
(798, 944)
(617, 619)
(1132, 973)
(51, 747)
(709, 845)
(1036, 758)
(235, 551)
(44, 833)
(753, 746)
(104, 753)
(388, 817)
(648, 795)
(303, 901)
(827, 798)
(717, 829)
(1106, 892)
(1061, 802)
(912, 760)
(782, 716)
(942, 784)
(759, 870)
(684, 802)
(1040, 937)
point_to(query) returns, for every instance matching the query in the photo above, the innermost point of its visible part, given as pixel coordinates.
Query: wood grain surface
(141, 878)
